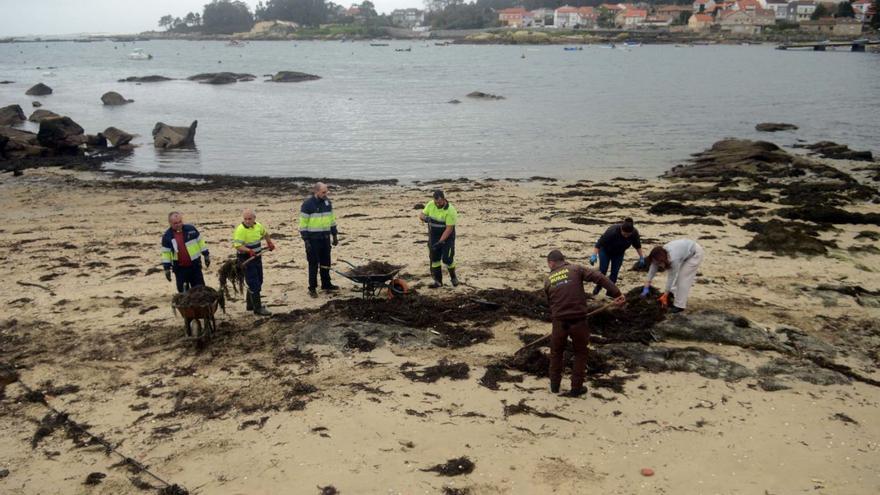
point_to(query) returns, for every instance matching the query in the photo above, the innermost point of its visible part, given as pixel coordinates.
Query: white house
(779, 8)
(800, 10)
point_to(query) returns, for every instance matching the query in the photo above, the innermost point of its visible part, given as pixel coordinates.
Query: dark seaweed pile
(198, 297)
(374, 268)
(453, 467)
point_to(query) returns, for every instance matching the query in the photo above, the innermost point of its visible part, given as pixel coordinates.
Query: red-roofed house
(704, 6)
(747, 5)
(700, 22)
(631, 18)
(513, 17)
(613, 7)
(353, 11)
(658, 21)
(569, 17)
(588, 17)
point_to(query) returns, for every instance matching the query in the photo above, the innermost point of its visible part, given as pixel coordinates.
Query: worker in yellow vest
(248, 241)
(441, 218)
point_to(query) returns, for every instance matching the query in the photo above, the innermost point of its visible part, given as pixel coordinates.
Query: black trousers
(253, 274)
(444, 254)
(190, 275)
(318, 255)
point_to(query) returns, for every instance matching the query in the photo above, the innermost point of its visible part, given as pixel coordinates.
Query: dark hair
(555, 255)
(438, 194)
(658, 254)
(627, 226)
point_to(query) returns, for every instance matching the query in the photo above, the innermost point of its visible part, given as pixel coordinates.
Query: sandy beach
(283, 405)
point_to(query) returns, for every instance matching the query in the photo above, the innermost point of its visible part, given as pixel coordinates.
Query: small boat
(632, 43)
(235, 43)
(403, 49)
(138, 54)
(573, 48)
(378, 44)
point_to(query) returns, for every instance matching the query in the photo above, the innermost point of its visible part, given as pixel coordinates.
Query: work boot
(452, 278)
(576, 391)
(437, 273)
(249, 300)
(554, 387)
(259, 310)
(313, 293)
(330, 287)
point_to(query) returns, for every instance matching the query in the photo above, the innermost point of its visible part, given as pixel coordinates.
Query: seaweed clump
(453, 467)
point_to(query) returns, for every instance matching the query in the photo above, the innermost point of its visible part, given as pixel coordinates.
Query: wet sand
(249, 415)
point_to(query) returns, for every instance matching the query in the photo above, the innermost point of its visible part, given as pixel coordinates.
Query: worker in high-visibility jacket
(317, 224)
(248, 241)
(182, 252)
(441, 218)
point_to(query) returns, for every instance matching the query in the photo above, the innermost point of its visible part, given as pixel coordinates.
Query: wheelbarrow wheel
(397, 288)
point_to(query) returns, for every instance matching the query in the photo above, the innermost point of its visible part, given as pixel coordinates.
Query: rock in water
(221, 77)
(112, 98)
(775, 126)
(166, 136)
(145, 79)
(41, 115)
(11, 115)
(39, 89)
(61, 134)
(117, 137)
(292, 76)
(36, 104)
(484, 96)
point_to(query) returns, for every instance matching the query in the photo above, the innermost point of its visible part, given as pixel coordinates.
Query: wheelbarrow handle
(347, 263)
(245, 262)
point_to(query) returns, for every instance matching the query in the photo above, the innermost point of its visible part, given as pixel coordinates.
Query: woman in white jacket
(681, 258)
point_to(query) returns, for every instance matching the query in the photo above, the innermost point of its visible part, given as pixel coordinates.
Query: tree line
(234, 16)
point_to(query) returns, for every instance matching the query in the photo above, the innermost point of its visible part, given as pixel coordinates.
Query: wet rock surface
(145, 79)
(112, 98)
(39, 89)
(117, 137)
(287, 76)
(830, 149)
(484, 96)
(775, 127)
(221, 77)
(166, 136)
(41, 115)
(11, 115)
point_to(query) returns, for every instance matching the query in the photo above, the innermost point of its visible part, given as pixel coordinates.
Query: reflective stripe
(317, 222)
(451, 266)
(435, 264)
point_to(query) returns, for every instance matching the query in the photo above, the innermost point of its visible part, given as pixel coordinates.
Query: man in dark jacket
(609, 249)
(568, 308)
(182, 251)
(317, 224)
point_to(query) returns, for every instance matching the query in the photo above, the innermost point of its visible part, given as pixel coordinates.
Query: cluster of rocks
(218, 78)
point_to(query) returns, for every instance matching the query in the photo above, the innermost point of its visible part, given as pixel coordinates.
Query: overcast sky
(24, 17)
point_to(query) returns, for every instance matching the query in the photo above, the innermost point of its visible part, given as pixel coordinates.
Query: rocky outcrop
(222, 78)
(484, 96)
(830, 149)
(292, 76)
(775, 127)
(11, 115)
(112, 98)
(117, 137)
(145, 79)
(41, 115)
(166, 136)
(61, 134)
(39, 89)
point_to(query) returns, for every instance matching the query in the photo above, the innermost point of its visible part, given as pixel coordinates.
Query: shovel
(545, 338)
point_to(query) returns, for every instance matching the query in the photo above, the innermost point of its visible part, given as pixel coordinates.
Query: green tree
(820, 12)
(305, 12)
(845, 9)
(166, 21)
(368, 10)
(227, 17)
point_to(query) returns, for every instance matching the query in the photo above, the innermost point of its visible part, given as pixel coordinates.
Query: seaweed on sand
(453, 467)
(199, 297)
(453, 371)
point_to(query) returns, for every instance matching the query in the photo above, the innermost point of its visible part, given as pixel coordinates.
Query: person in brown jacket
(568, 308)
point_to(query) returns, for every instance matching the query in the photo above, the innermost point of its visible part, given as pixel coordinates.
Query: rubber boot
(259, 310)
(249, 300)
(554, 387)
(452, 278)
(437, 273)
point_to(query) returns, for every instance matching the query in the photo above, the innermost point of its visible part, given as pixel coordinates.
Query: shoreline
(751, 389)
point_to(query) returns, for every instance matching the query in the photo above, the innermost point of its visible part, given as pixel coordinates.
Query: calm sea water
(378, 113)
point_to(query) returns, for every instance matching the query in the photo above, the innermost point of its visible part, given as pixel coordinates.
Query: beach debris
(786, 238)
(496, 373)
(845, 418)
(4, 473)
(355, 342)
(166, 136)
(145, 79)
(286, 76)
(443, 369)
(775, 127)
(231, 273)
(328, 490)
(39, 89)
(11, 115)
(112, 98)
(522, 408)
(201, 296)
(117, 137)
(94, 478)
(647, 472)
(173, 489)
(453, 467)
(484, 96)
(40, 115)
(448, 490)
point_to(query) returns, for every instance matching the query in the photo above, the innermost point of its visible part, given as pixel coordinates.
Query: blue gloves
(593, 258)
(641, 261)
(645, 291)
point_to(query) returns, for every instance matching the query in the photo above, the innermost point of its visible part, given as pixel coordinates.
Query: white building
(800, 10)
